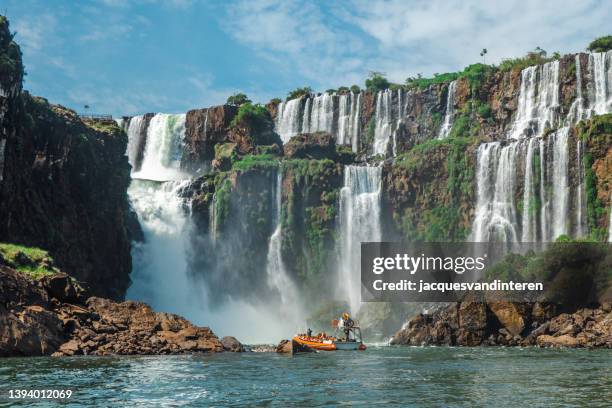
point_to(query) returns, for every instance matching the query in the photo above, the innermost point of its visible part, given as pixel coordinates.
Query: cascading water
(321, 114)
(359, 222)
(136, 140)
(580, 199)
(495, 210)
(529, 223)
(288, 119)
(278, 278)
(384, 121)
(557, 177)
(348, 120)
(318, 114)
(538, 102)
(600, 67)
(159, 273)
(447, 125)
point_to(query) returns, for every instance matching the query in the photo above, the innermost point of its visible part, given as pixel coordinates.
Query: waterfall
(318, 114)
(163, 148)
(348, 119)
(278, 278)
(538, 101)
(495, 210)
(576, 112)
(136, 140)
(447, 125)
(558, 179)
(384, 124)
(288, 119)
(159, 262)
(528, 217)
(2, 148)
(581, 228)
(321, 114)
(600, 67)
(359, 222)
(356, 123)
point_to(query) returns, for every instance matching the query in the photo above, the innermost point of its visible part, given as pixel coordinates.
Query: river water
(389, 376)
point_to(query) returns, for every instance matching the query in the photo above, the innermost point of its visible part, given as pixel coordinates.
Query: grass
(37, 263)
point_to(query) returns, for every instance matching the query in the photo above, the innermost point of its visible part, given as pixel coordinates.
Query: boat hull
(328, 345)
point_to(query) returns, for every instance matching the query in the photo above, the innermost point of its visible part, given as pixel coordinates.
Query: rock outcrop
(63, 182)
(53, 316)
(509, 324)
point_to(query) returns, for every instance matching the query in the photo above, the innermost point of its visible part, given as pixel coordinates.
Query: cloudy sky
(128, 57)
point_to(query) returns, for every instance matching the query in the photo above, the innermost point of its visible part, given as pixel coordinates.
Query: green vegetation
(444, 220)
(238, 99)
(422, 83)
(597, 133)
(256, 161)
(275, 101)
(355, 89)
(223, 190)
(601, 44)
(536, 57)
(255, 116)
(10, 61)
(376, 81)
(296, 93)
(330, 91)
(475, 74)
(34, 262)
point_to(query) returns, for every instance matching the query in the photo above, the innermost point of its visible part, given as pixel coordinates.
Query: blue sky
(129, 57)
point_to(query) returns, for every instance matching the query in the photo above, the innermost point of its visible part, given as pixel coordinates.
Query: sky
(131, 57)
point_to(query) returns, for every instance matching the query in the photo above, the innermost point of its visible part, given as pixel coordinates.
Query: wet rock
(231, 344)
(513, 316)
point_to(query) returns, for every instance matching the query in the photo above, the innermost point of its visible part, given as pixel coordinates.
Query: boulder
(61, 287)
(513, 316)
(561, 341)
(231, 344)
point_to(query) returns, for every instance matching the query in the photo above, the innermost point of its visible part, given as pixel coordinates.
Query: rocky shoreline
(54, 316)
(510, 324)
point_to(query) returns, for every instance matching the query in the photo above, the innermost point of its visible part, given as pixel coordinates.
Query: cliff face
(63, 183)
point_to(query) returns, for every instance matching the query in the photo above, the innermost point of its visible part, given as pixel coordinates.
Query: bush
(255, 116)
(238, 99)
(535, 57)
(376, 82)
(343, 90)
(298, 92)
(601, 44)
(330, 91)
(275, 101)
(422, 83)
(355, 89)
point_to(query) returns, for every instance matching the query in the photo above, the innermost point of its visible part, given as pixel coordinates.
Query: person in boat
(309, 332)
(348, 324)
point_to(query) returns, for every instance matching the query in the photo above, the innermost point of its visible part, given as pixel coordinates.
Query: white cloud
(401, 38)
(35, 32)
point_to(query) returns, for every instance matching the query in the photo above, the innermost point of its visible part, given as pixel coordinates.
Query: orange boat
(332, 343)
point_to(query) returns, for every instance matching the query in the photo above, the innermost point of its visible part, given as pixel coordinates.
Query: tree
(482, 54)
(238, 99)
(299, 92)
(376, 81)
(355, 89)
(601, 44)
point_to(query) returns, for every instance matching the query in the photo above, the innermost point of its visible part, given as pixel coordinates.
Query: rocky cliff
(63, 182)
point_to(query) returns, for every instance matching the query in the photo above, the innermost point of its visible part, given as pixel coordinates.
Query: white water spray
(359, 222)
(449, 116)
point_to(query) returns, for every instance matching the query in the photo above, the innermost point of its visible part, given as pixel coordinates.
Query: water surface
(400, 376)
